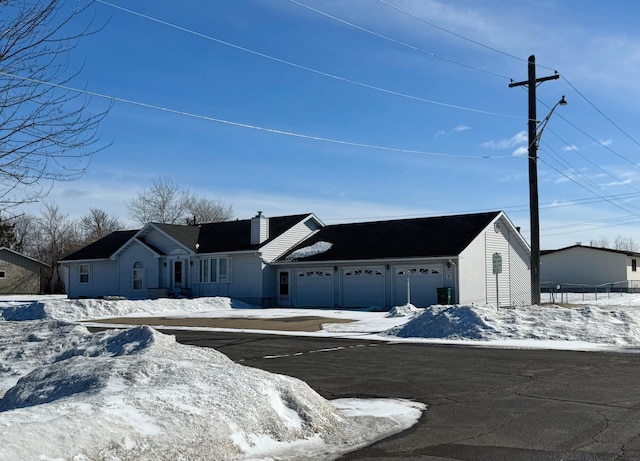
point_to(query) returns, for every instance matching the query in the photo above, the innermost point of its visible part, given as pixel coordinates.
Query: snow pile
(405, 310)
(137, 394)
(82, 309)
(316, 248)
(447, 322)
(606, 325)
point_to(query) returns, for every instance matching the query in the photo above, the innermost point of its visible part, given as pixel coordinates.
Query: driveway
(483, 404)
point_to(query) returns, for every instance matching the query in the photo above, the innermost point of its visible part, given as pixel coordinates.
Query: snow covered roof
(404, 238)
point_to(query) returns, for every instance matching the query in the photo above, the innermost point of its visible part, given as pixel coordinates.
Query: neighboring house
(586, 265)
(298, 261)
(20, 274)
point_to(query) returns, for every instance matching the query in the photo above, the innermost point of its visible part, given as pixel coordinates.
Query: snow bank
(607, 325)
(82, 309)
(137, 394)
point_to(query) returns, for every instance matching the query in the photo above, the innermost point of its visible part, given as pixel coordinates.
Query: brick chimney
(259, 229)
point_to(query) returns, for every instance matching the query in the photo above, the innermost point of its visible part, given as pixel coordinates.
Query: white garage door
(314, 288)
(363, 287)
(424, 282)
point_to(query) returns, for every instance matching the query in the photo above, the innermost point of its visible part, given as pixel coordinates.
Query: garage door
(314, 288)
(424, 283)
(363, 287)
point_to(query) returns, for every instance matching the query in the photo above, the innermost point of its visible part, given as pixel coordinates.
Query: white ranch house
(591, 266)
(298, 261)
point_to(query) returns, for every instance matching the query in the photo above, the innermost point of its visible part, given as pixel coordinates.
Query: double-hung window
(84, 273)
(214, 270)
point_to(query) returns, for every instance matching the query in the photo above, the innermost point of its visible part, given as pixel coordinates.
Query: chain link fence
(559, 292)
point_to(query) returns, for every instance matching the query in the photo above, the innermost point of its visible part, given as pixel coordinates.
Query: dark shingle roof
(236, 235)
(211, 238)
(103, 248)
(406, 238)
(610, 250)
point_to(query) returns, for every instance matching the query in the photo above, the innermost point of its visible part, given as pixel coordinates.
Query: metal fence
(559, 292)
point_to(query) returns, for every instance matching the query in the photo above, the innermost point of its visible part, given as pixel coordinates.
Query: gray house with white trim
(298, 261)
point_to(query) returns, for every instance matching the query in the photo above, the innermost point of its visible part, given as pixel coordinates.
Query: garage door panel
(424, 284)
(363, 287)
(314, 288)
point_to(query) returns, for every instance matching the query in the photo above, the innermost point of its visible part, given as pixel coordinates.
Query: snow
(311, 250)
(135, 393)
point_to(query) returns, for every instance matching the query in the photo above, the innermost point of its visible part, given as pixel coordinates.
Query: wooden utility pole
(533, 176)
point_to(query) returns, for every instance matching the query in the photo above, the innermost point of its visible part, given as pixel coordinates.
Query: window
(84, 273)
(3, 274)
(634, 265)
(138, 276)
(214, 270)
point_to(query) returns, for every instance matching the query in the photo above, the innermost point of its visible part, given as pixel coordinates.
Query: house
(20, 274)
(299, 261)
(592, 266)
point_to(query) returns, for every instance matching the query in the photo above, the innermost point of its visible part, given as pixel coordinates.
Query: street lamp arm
(543, 124)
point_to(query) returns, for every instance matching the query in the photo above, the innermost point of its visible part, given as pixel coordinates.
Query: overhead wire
(398, 42)
(309, 69)
(475, 42)
(254, 127)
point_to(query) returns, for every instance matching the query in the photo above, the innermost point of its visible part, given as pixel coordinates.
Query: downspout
(455, 281)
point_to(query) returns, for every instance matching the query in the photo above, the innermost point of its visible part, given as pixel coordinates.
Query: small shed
(20, 274)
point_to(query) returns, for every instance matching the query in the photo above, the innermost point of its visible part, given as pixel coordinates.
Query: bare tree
(625, 243)
(165, 202)
(602, 242)
(57, 236)
(97, 224)
(204, 210)
(46, 129)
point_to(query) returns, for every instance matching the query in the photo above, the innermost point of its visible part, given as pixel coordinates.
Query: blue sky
(425, 82)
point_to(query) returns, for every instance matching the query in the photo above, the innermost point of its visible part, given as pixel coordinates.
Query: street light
(534, 139)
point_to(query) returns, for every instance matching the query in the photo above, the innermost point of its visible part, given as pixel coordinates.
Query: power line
(475, 42)
(309, 69)
(254, 127)
(600, 112)
(398, 42)
(587, 189)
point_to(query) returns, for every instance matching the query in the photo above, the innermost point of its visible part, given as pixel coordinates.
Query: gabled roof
(103, 248)
(405, 238)
(610, 250)
(17, 253)
(236, 235)
(229, 236)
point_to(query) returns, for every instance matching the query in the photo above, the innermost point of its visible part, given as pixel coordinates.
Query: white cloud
(457, 129)
(517, 139)
(520, 151)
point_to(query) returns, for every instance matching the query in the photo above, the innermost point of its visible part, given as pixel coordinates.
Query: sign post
(497, 269)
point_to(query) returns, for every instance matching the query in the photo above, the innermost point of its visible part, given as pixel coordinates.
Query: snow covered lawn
(134, 393)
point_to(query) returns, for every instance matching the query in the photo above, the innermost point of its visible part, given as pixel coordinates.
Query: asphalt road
(483, 404)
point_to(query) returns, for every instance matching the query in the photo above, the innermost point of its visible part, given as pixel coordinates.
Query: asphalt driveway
(483, 404)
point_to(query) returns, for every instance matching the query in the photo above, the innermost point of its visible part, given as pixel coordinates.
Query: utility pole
(533, 176)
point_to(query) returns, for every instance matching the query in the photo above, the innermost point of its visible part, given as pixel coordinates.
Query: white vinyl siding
(287, 240)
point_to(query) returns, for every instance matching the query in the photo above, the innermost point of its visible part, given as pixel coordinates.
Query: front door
(177, 275)
(283, 289)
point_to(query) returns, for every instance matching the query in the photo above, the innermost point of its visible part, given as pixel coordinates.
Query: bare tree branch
(47, 133)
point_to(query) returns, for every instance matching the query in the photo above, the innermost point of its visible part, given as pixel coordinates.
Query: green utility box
(445, 296)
